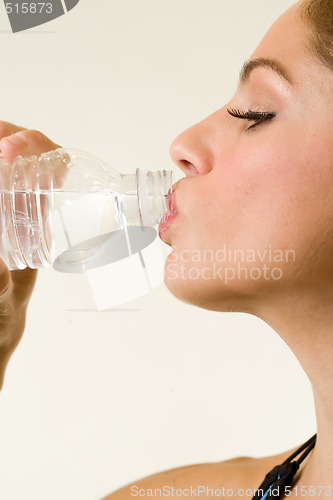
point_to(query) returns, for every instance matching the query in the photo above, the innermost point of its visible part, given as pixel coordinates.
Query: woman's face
(255, 211)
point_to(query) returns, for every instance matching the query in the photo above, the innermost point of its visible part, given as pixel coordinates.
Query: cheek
(269, 195)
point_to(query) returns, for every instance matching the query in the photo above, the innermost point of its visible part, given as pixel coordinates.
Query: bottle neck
(145, 196)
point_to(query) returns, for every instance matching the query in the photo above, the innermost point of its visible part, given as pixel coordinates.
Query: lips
(169, 216)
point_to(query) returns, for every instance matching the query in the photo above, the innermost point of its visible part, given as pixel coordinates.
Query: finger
(4, 279)
(7, 128)
(26, 143)
(23, 283)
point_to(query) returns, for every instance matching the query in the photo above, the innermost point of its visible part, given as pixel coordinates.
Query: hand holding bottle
(16, 286)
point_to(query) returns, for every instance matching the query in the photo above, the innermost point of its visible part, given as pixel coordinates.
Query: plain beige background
(92, 400)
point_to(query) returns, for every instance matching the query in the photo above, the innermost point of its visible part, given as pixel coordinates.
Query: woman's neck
(304, 320)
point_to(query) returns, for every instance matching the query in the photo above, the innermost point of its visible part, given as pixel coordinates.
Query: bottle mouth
(171, 202)
(154, 190)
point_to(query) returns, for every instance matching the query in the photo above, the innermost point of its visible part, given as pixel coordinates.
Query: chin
(208, 295)
(189, 283)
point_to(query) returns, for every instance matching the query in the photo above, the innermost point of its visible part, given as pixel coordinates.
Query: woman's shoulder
(236, 474)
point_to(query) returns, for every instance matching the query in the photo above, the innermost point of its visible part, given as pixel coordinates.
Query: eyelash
(257, 116)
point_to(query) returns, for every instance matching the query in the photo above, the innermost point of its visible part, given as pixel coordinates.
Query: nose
(192, 151)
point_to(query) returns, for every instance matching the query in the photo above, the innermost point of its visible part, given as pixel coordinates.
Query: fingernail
(17, 139)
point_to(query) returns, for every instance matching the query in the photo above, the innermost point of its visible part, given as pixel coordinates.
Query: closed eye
(257, 116)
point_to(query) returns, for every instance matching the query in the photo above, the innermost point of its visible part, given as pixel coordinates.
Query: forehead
(286, 41)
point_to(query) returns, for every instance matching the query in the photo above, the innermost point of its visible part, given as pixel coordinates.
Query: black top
(283, 474)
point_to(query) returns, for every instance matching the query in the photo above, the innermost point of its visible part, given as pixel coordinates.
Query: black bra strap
(310, 443)
(282, 475)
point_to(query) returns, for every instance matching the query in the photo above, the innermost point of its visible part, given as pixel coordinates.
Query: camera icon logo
(24, 15)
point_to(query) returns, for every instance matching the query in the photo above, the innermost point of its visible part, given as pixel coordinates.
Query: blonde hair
(318, 15)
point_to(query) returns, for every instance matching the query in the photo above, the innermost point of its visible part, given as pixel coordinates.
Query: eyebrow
(262, 62)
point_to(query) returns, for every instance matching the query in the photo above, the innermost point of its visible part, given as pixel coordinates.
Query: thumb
(33, 142)
(26, 143)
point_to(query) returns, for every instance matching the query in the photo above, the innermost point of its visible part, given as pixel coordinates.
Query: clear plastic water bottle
(68, 209)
